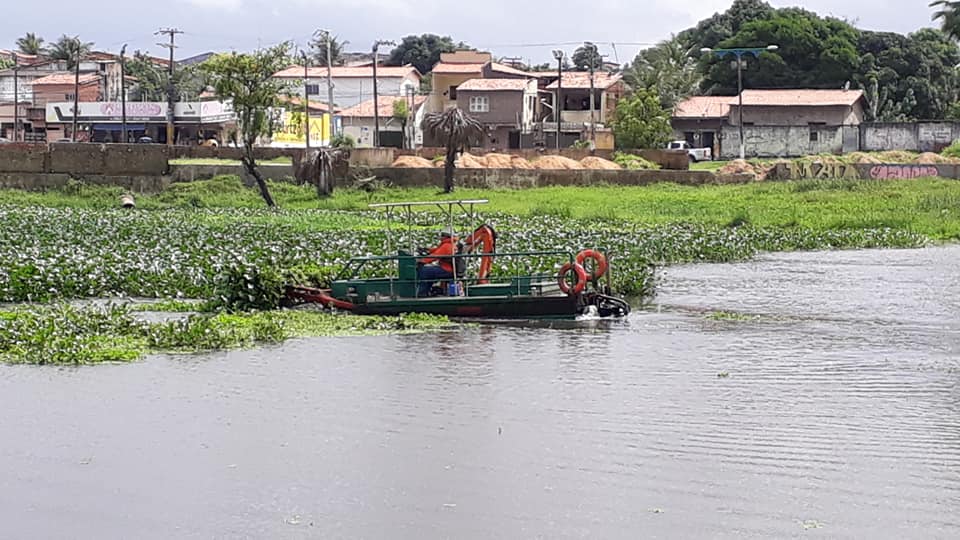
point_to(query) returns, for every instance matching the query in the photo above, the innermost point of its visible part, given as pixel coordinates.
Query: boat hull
(493, 307)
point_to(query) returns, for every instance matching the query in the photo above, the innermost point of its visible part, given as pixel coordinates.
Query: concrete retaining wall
(190, 173)
(44, 181)
(85, 159)
(384, 157)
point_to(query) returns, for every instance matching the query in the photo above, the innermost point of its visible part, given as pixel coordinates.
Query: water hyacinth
(54, 253)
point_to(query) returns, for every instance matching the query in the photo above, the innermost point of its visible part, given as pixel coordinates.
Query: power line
(171, 91)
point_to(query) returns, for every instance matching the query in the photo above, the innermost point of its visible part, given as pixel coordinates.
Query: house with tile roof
(805, 120)
(506, 107)
(458, 67)
(353, 85)
(358, 122)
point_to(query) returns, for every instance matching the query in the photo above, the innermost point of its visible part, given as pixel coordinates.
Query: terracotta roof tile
(500, 68)
(493, 85)
(801, 97)
(296, 72)
(385, 109)
(581, 79)
(66, 78)
(703, 107)
(447, 68)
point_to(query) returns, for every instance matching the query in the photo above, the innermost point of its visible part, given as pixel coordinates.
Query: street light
(738, 53)
(558, 55)
(306, 100)
(376, 98)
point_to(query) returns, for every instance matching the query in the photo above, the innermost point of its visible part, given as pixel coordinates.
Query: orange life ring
(599, 261)
(581, 279)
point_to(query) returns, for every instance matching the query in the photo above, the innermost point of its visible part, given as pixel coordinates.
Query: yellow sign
(292, 133)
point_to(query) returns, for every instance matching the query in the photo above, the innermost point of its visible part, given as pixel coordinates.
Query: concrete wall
(914, 136)
(190, 173)
(85, 159)
(896, 171)
(781, 141)
(796, 115)
(384, 157)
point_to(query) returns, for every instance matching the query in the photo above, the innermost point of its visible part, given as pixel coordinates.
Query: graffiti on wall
(888, 172)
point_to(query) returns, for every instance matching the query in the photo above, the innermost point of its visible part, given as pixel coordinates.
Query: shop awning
(118, 127)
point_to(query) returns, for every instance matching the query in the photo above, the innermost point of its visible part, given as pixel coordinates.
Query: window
(479, 104)
(452, 93)
(313, 89)
(814, 136)
(69, 97)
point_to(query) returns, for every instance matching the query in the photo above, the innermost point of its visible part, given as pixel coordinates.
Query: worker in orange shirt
(438, 263)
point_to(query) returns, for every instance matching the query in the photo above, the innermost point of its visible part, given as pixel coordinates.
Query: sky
(529, 30)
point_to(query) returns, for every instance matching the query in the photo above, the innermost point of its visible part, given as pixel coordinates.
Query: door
(513, 140)
(706, 141)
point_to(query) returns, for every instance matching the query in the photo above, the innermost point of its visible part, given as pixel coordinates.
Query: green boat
(571, 292)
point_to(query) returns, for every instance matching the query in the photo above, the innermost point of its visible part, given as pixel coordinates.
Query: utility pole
(558, 54)
(594, 55)
(123, 95)
(306, 101)
(171, 91)
(16, 100)
(329, 41)
(76, 88)
(376, 98)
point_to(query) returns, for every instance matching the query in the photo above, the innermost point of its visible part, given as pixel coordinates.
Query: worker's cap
(447, 233)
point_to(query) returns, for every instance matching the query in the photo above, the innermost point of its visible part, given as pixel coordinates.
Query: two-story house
(352, 85)
(506, 108)
(458, 67)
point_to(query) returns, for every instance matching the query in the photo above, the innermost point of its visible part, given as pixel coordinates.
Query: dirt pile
(593, 162)
(557, 162)
(470, 161)
(517, 162)
(412, 162)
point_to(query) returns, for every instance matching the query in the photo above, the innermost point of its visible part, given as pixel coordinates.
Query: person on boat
(438, 263)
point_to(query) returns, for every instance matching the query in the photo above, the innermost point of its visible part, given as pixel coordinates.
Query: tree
(949, 16)
(247, 79)
(401, 113)
(454, 129)
(640, 121)
(669, 68)
(722, 26)
(814, 53)
(423, 51)
(30, 43)
(151, 80)
(5, 63)
(585, 56)
(69, 49)
(318, 48)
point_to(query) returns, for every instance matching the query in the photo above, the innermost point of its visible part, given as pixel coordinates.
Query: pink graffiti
(891, 172)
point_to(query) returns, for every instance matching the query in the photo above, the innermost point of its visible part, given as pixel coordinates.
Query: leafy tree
(669, 68)
(401, 113)
(6, 63)
(948, 13)
(641, 121)
(151, 79)
(587, 55)
(723, 26)
(423, 51)
(248, 80)
(30, 43)
(814, 53)
(69, 49)
(318, 47)
(454, 129)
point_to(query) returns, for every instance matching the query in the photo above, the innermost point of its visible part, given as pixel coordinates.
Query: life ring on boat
(599, 263)
(579, 272)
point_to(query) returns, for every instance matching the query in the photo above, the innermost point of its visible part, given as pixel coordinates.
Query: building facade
(352, 85)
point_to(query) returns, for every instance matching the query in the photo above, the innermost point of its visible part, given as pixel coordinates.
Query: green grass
(707, 165)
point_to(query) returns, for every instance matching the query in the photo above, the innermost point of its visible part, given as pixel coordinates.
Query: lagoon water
(822, 401)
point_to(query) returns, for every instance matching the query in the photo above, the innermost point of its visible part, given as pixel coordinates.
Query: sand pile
(557, 162)
(929, 158)
(737, 166)
(517, 162)
(412, 162)
(498, 161)
(862, 158)
(470, 161)
(593, 162)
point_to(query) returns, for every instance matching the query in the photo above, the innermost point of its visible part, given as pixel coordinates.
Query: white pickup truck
(696, 154)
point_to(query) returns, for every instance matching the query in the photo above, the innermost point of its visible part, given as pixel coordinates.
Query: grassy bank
(62, 334)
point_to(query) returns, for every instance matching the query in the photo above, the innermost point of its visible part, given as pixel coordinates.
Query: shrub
(633, 162)
(952, 151)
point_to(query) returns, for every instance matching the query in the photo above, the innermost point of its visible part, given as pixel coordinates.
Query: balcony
(581, 117)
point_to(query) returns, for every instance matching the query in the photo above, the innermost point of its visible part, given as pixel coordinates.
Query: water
(832, 410)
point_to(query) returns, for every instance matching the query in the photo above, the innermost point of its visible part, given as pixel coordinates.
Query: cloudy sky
(506, 27)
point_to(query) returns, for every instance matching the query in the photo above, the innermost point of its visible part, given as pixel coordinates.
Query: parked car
(696, 154)
(145, 140)
(4, 140)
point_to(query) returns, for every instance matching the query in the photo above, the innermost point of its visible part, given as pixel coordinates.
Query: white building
(353, 85)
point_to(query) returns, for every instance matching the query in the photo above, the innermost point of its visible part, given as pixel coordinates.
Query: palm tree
(454, 129)
(30, 44)
(949, 16)
(69, 49)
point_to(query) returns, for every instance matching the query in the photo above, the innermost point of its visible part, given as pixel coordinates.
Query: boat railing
(353, 268)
